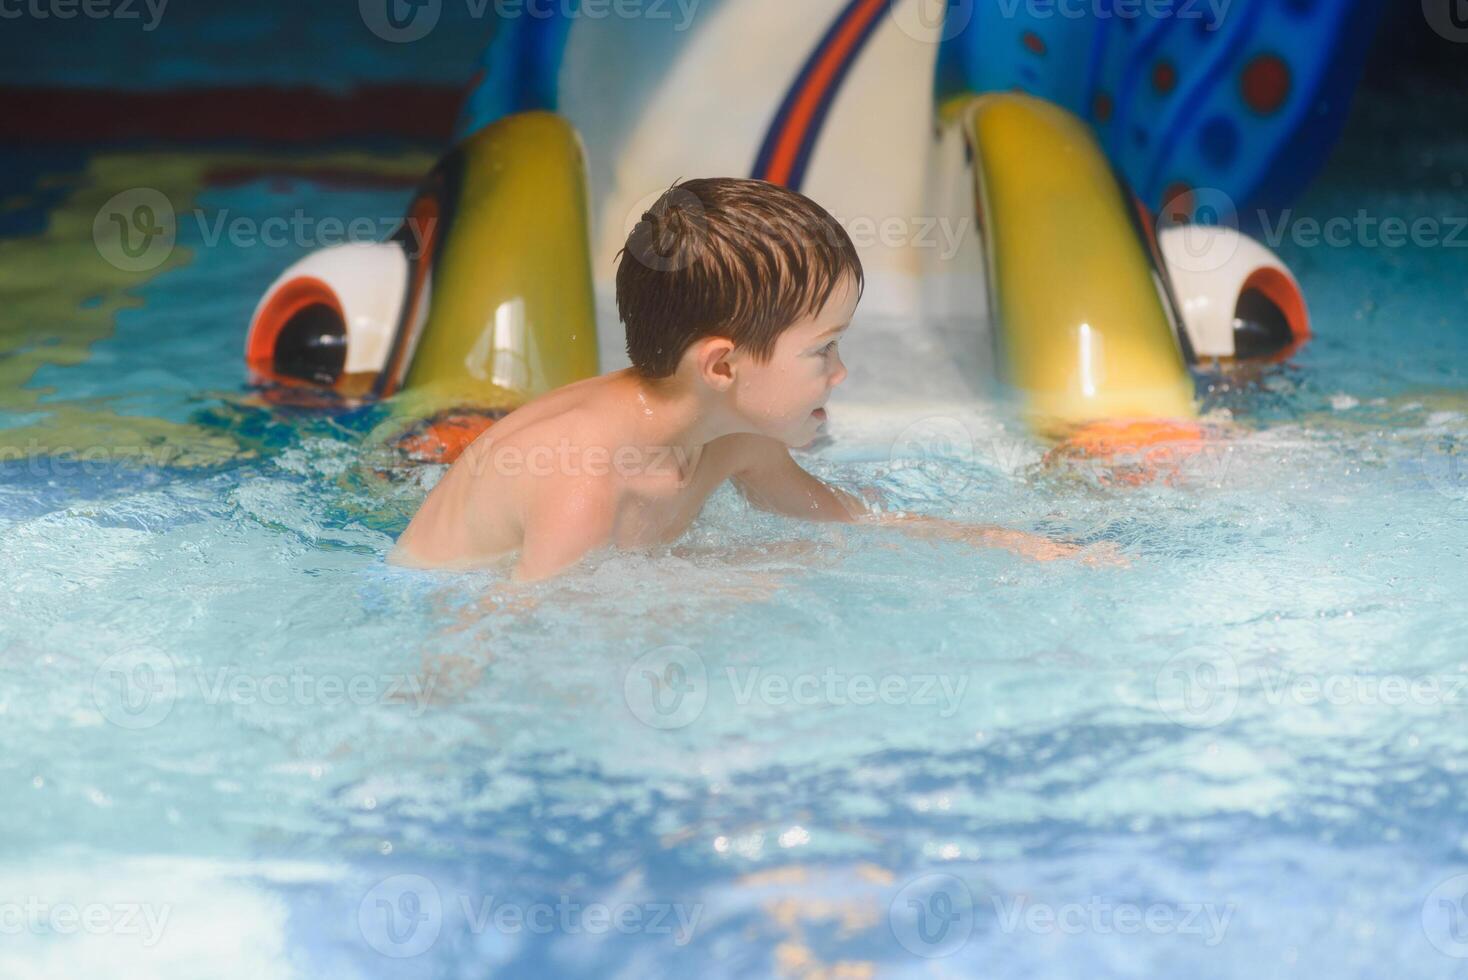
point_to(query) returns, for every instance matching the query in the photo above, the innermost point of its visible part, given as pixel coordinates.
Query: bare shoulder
(537, 439)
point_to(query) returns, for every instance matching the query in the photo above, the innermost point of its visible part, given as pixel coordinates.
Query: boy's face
(785, 397)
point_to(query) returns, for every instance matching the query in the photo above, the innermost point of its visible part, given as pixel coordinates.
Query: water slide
(1107, 155)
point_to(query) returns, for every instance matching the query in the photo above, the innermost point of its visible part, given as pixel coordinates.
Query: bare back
(580, 440)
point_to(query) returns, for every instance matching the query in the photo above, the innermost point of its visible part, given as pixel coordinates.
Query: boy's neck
(669, 413)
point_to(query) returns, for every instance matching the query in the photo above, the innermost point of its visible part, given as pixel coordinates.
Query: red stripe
(787, 149)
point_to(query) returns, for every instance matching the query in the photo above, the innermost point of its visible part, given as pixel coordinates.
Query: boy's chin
(803, 437)
(797, 435)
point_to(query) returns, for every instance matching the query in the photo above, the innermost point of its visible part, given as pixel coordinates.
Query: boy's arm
(771, 480)
(1036, 546)
(564, 520)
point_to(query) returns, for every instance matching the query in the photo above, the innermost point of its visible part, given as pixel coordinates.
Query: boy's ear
(715, 363)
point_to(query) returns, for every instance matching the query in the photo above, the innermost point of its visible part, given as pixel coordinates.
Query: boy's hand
(1033, 546)
(771, 480)
(1104, 554)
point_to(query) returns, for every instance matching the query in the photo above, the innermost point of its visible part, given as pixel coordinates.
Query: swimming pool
(239, 744)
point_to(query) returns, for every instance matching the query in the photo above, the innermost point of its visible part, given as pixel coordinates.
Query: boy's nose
(839, 375)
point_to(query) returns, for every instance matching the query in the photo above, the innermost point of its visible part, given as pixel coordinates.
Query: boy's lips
(819, 414)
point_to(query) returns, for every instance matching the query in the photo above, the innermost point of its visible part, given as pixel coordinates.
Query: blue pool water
(248, 747)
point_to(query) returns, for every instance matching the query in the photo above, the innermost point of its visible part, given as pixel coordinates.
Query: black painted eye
(1261, 328)
(329, 322)
(312, 346)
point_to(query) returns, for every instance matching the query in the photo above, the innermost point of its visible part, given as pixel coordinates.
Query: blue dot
(1219, 141)
(1300, 8)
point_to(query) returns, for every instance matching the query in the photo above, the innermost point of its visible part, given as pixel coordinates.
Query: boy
(735, 294)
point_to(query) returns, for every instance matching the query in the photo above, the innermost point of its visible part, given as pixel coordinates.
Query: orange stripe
(425, 213)
(810, 97)
(290, 299)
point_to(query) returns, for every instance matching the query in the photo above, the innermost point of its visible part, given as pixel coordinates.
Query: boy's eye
(829, 348)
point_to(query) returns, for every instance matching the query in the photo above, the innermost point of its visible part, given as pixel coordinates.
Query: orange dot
(1034, 42)
(1102, 107)
(1266, 83)
(1164, 77)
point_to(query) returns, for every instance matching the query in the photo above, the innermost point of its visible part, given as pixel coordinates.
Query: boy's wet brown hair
(725, 257)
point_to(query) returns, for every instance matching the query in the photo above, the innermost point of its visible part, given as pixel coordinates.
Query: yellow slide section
(511, 302)
(1085, 332)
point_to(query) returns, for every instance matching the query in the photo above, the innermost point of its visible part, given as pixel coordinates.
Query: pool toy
(1097, 303)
